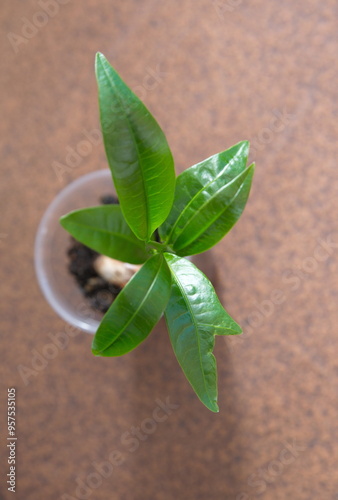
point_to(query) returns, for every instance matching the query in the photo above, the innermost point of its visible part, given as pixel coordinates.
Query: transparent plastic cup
(52, 241)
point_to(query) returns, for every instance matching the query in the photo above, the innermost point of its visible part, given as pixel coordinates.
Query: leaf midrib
(135, 144)
(107, 231)
(193, 241)
(216, 327)
(184, 295)
(136, 311)
(197, 212)
(197, 194)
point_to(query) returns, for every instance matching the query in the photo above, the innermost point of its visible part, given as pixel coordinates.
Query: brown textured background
(227, 69)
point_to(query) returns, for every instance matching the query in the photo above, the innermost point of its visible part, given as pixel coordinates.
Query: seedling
(190, 214)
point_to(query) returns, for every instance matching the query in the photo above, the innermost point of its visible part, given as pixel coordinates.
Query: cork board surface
(213, 73)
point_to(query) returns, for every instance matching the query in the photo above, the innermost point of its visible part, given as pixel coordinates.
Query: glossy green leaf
(209, 199)
(135, 311)
(226, 220)
(194, 315)
(138, 153)
(105, 230)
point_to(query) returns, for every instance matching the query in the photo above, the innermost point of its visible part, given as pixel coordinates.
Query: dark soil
(98, 291)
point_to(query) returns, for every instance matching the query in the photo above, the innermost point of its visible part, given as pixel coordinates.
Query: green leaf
(194, 315)
(227, 219)
(209, 199)
(138, 153)
(105, 230)
(135, 311)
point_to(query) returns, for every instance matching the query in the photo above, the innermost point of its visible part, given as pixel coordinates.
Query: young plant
(190, 213)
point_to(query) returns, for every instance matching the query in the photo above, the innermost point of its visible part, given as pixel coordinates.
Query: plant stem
(160, 247)
(156, 245)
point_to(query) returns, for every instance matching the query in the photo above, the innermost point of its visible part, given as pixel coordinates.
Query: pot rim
(91, 324)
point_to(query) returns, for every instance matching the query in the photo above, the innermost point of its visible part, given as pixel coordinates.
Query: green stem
(156, 245)
(161, 247)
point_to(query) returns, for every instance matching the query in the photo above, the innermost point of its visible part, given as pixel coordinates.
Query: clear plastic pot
(52, 241)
